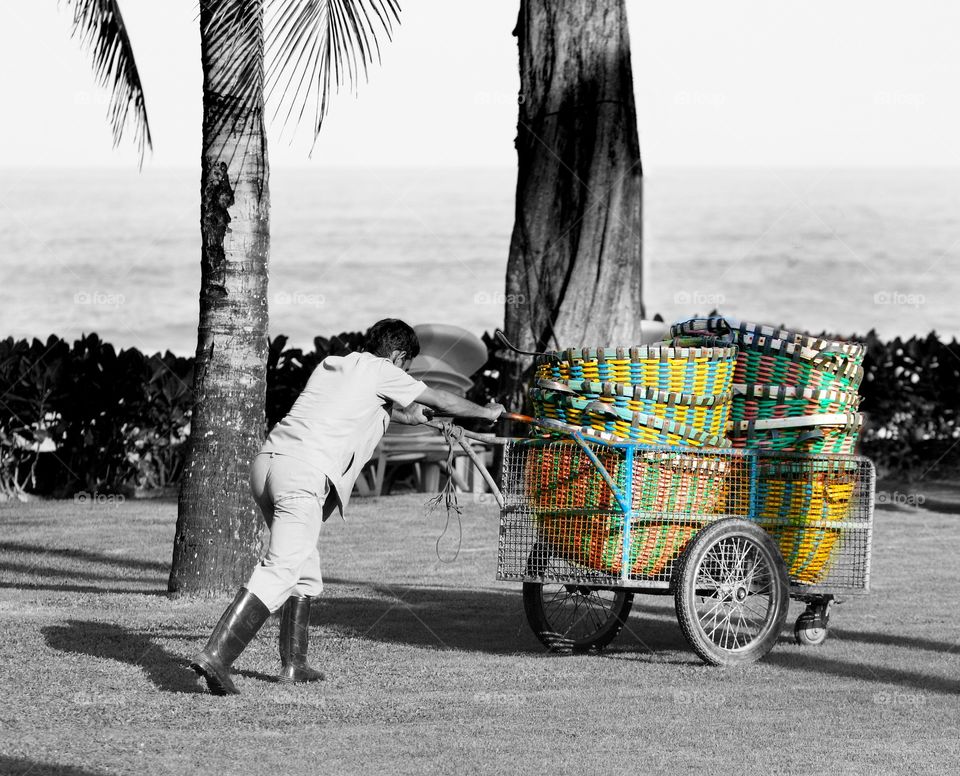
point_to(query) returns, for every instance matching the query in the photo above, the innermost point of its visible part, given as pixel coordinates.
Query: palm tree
(314, 46)
(575, 263)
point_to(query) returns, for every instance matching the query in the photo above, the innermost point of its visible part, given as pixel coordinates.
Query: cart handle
(461, 436)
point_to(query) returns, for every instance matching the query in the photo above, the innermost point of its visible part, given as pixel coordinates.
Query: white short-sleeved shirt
(337, 422)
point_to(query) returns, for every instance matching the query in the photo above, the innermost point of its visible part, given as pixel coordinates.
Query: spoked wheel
(731, 592)
(570, 617)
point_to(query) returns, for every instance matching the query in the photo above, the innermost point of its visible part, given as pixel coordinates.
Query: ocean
(117, 252)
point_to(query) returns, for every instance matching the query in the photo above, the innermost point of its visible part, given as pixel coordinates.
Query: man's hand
(494, 410)
(413, 415)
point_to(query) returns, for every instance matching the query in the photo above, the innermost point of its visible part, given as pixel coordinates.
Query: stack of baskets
(578, 514)
(655, 395)
(650, 395)
(791, 392)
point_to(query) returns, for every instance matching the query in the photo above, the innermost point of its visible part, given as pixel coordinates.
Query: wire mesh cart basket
(732, 534)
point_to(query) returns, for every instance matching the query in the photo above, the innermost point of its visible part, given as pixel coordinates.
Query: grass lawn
(432, 668)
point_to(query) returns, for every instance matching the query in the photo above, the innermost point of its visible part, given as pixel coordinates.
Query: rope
(448, 495)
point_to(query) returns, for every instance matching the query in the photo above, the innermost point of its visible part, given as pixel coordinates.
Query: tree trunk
(575, 269)
(218, 528)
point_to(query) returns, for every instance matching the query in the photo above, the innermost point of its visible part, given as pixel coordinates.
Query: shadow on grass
(21, 766)
(43, 571)
(86, 555)
(167, 671)
(471, 620)
(866, 672)
(62, 588)
(894, 640)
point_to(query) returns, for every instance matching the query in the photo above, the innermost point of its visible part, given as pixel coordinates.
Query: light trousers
(290, 495)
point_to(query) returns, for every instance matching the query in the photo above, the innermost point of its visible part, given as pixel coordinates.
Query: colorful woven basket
(833, 433)
(597, 543)
(766, 402)
(774, 356)
(704, 420)
(559, 477)
(757, 336)
(797, 500)
(676, 370)
(578, 516)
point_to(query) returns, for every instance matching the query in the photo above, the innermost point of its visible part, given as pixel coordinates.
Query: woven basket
(836, 433)
(597, 544)
(767, 402)
(756, 336)
(559, 477)
(676, 370)
(797, 499)
(698, 423)
(773, 356)
(578, 516)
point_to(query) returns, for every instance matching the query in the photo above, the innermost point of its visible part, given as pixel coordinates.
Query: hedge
(86, 417)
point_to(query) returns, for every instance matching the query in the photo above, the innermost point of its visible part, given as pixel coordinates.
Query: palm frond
(100, 28)
(233, 53)
(315, 46)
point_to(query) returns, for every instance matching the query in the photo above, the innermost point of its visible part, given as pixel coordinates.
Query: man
(304, 472)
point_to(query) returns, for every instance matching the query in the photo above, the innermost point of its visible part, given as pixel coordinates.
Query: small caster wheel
(810, 630)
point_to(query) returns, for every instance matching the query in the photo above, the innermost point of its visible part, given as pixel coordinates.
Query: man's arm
(450, 404)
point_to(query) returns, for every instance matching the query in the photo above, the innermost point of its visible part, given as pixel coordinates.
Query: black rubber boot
(238, 625)
(294, 640)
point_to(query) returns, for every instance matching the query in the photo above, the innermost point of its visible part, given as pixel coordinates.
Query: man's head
(394, 340)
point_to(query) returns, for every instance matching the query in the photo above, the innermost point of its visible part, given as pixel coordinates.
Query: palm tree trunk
(574, 273)
(217, 534)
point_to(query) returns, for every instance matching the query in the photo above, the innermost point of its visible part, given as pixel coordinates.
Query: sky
(862, 83)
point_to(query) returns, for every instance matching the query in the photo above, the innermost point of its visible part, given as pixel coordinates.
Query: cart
(732, 534)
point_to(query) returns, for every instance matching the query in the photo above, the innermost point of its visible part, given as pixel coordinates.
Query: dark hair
(389, 335)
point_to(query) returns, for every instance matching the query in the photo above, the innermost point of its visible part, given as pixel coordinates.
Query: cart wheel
(812, 626)
(569, 617)
(731, 592)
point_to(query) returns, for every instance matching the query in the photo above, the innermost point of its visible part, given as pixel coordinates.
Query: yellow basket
(698, 371)
(797, 499)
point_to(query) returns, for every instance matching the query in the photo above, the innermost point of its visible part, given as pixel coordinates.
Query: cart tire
(566, 617)
(809, 630)
(731, 592)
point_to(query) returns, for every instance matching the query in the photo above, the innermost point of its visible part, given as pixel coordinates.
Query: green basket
(766, 402)
(775, 356)
(834, 433)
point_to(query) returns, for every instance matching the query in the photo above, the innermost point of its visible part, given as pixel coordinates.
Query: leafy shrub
(87, 417)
